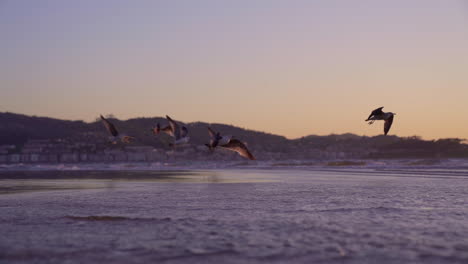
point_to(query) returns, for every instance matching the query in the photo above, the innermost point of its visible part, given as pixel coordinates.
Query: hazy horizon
(110, 115)
(291, 68)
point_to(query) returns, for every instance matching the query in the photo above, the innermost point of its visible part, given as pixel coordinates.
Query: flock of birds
(180, 133)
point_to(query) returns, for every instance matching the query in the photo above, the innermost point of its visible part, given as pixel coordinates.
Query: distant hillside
(17, 129)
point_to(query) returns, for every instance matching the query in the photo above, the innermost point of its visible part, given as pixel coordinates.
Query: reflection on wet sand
(15, 186)
(32, 181)
(96, 175)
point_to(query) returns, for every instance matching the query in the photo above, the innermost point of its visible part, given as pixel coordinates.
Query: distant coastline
(41, 140)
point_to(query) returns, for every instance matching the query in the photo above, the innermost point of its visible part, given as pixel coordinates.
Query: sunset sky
(291, 68)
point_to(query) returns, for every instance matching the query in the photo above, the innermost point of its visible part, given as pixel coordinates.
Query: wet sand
(234, 216)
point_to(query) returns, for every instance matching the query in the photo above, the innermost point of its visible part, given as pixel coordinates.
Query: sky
(292, 68)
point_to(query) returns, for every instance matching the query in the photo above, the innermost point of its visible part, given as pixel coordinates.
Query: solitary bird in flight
(229, 143)
(115, 136)
(378, 114)
(180, 134)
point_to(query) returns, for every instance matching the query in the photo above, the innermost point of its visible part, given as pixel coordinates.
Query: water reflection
(29, 181)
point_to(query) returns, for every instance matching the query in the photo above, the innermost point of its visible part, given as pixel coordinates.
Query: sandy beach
(234, 216)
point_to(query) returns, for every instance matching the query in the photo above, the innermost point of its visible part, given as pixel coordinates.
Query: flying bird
(227, 142)
(167, 129)
(216, 139)
(115, 136)
(378, 114)
(180, 134)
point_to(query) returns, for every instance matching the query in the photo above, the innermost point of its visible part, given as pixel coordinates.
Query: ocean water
(300, 215)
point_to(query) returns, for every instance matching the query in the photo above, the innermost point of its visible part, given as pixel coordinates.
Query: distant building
(6, 149)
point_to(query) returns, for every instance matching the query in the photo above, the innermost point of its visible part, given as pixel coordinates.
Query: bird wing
(376, 112)
(211, 132)
(214, 138)
(168, 130)
(110, 127)
(388, 124)
(175, 128)
(239, 147)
